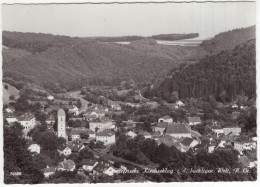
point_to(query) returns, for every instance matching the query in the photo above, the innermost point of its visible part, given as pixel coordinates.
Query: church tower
(62, 124)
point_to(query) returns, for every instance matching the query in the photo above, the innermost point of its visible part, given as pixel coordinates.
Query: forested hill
(228, 40)
(60, 62)
(224, 76)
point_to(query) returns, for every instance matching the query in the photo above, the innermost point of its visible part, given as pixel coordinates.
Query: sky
(88, 20)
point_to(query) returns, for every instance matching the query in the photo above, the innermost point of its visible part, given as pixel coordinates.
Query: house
(106, 136)
(75, 133)
(169, 141)
(48, 171)
(235, 115)
(211, 147)
(234, 106)
(90, 117)
(10, 109)
(76, 146)
(104, 167)
(64, 150)
(217, 129)
(146, 135)
(88, 164)
(50, 98)
(188, 143)
(73, 109)
(235, 130)
(161, 126)
(131, 134)
(194, 120)
(99, 111)
(10, 118)
(114, 105)
(34, 148)
(179, 103)
(243, 144)
(166, 118)
(50, 120)
(156, 135)
(27, 120)
(66, 165)
(178, 130)
(100, 124)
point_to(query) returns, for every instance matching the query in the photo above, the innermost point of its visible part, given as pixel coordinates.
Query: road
(77, 95)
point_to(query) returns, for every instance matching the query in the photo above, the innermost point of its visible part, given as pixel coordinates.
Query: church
(62, 124)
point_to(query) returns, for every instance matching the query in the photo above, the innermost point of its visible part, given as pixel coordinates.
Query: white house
(10, 109)
(211, 147)
(179, 103)
(64, 150)
(194, 120)
(10, 118)
(50, 97)
(217, 129)
(131, 134)
(147, 135)
(88, 164)
(106, 136)
(73, 109)
(244, 145)
(48, 171)
(100, 124)
(167, 119)
(27, 121)
(34, 148)
(233, 130)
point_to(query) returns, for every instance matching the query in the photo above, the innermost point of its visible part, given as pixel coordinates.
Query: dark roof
(62, 147)
(26, 117)
(169, 141)
(78, 131)
(100, 120)
(75, 146)
(102, 166)
(187, 141)
(177, 128)
(105, 133)
(244, 160)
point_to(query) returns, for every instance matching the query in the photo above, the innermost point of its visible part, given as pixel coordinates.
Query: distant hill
(169, 37)
(60, 62)
(228, 40)
(224, 75)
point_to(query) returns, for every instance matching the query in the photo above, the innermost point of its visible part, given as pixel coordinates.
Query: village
(88, 133)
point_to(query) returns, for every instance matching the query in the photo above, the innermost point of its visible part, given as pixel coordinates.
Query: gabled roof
(100, 120)
(105, 133)
(62, 147)
(166, 117)
(187, 141)
(88, 162)
(78, 131)
(9, 115)
(162, 125)
(177, 128)
(26, 117)
(75, 146)
(244, 160)
(169, 141)
(194, 119)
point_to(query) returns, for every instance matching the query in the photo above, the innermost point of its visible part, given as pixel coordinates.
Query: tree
(6, 86)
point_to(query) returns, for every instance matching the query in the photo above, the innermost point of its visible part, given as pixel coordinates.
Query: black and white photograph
(129, 92)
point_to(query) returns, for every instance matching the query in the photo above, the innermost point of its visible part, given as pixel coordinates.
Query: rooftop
(194, 119)
(105, 133)
(177, 128)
